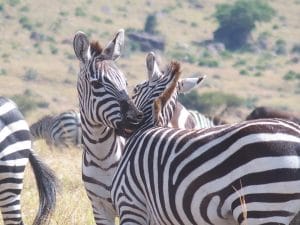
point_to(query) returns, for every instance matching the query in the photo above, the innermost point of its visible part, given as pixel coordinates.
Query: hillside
(38, 67)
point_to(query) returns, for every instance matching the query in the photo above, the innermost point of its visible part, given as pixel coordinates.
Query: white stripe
(13, 127)
(6, 107)
(21, 145)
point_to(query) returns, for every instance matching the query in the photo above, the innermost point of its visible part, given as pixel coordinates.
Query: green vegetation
(28, 101)
(210, 101)
(30, 75)
(80, 12)
(238, 20)
(291, 75)
(25, 22)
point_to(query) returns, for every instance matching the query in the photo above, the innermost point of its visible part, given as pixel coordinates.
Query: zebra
(102, 141)
(243, 173)
(15, 150)
(183, 117)
(62, 130)
(105, 110)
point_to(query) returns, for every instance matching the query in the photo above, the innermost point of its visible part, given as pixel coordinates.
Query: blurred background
(249, 50)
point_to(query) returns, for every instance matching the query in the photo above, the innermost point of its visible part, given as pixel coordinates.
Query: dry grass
(73, 206)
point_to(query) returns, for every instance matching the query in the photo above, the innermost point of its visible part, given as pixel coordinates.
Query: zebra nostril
(140, 116)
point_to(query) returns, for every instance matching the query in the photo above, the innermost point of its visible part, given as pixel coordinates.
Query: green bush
(291, 75)
(79, 12)
(2, 72)
(13, 2)
(28, 101)
(280, 47)
(30, 75)
(238, 20)
(208, 62)
(208, 102)
(25, 22)
(53, 49)
(24, 9)
(296, 48)
(183, 56)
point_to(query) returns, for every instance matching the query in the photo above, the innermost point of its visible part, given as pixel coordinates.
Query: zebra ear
(81, 45)
(187, 84)
(115, 46)
(152, 67)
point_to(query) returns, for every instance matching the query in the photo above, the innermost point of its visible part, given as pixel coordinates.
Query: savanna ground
(38, 68)
(73, 206)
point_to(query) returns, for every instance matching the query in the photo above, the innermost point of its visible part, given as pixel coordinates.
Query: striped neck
(102, 144)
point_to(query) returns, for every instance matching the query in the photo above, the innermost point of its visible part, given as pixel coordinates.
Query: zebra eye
(96, 84)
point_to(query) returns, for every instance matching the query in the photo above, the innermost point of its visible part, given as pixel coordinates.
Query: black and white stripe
(105, 110)
(245, 173)
(62, 130)
(15, 150)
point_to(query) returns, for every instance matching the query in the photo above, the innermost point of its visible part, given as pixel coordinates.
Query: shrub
(28, 102)
(291, 75)
(13, 2)
(183, 56)
(79, 12)
(53, 49)
(296, 48)
(280, 47)
(24, 9)
(209, 101)
(208, 62)
(240, 62)
(238, 20)
(25, 22)
(30, 75)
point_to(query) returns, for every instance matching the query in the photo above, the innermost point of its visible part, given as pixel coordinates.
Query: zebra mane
(173, 70)
(95, 47)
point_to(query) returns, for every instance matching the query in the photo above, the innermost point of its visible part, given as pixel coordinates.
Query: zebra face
(102, 88)
(157, 97)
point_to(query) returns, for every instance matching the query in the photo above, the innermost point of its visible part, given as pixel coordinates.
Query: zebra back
(201, 120)
(61, 130)
(244, 173)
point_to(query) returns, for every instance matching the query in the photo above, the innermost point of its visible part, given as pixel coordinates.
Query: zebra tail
(47, 185)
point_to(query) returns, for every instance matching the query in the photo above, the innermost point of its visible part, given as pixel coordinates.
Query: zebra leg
(103, 212)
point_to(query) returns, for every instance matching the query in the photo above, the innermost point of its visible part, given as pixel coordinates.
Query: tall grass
(73, 206)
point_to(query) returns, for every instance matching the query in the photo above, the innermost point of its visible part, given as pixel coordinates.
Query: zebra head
(102, 88)
(157, 97)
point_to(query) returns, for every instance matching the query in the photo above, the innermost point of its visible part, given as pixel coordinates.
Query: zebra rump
(15, 150)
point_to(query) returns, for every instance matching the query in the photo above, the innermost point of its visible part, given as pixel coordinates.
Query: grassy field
(38, 67)
(73, 206)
